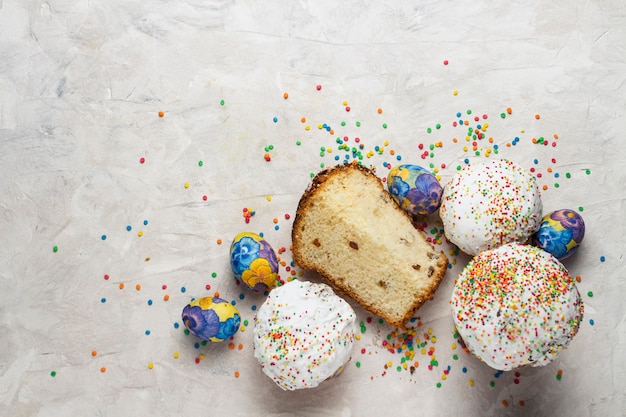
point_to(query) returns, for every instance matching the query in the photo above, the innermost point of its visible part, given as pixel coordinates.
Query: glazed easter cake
(516, 305)
(303, 334)
(491, 203)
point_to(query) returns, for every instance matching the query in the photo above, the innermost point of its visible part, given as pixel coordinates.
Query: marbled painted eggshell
(560, 233)
(253, 261)
(416, 190)
(211, 318)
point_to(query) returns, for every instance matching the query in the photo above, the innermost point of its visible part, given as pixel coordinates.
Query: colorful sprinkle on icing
(303, 334)
(516, 305)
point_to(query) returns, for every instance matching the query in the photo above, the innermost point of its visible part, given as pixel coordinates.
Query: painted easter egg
(416, 190)
(211, 318)
(560, 233)
(253, 261)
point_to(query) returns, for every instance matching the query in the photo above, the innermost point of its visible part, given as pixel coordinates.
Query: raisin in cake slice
(349, 229)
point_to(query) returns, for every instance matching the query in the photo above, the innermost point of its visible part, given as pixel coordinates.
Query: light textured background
(81, 85)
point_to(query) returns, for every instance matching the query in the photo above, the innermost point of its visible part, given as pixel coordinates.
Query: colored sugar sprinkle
(408, 344)
(53, 374)
(590, 293)
(55, 248)
(103, 237)
(602, 259)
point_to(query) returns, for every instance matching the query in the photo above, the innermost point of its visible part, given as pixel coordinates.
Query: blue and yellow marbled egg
(254, 262)
(560, 233)
(211, 318)
(416, 190)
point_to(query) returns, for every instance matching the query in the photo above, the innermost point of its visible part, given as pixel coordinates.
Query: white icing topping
(516, 305)
(489, 204)
(303, 334)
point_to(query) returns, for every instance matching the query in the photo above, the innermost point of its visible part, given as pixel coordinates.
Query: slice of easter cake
(349, 229)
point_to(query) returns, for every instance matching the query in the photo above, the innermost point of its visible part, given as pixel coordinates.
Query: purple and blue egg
(254, 262)
(415, 189)
(211, 318)
(560, 233)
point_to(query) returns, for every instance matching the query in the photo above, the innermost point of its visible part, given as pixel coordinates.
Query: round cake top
(303, 334)
(516, 305)
(488, 204)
